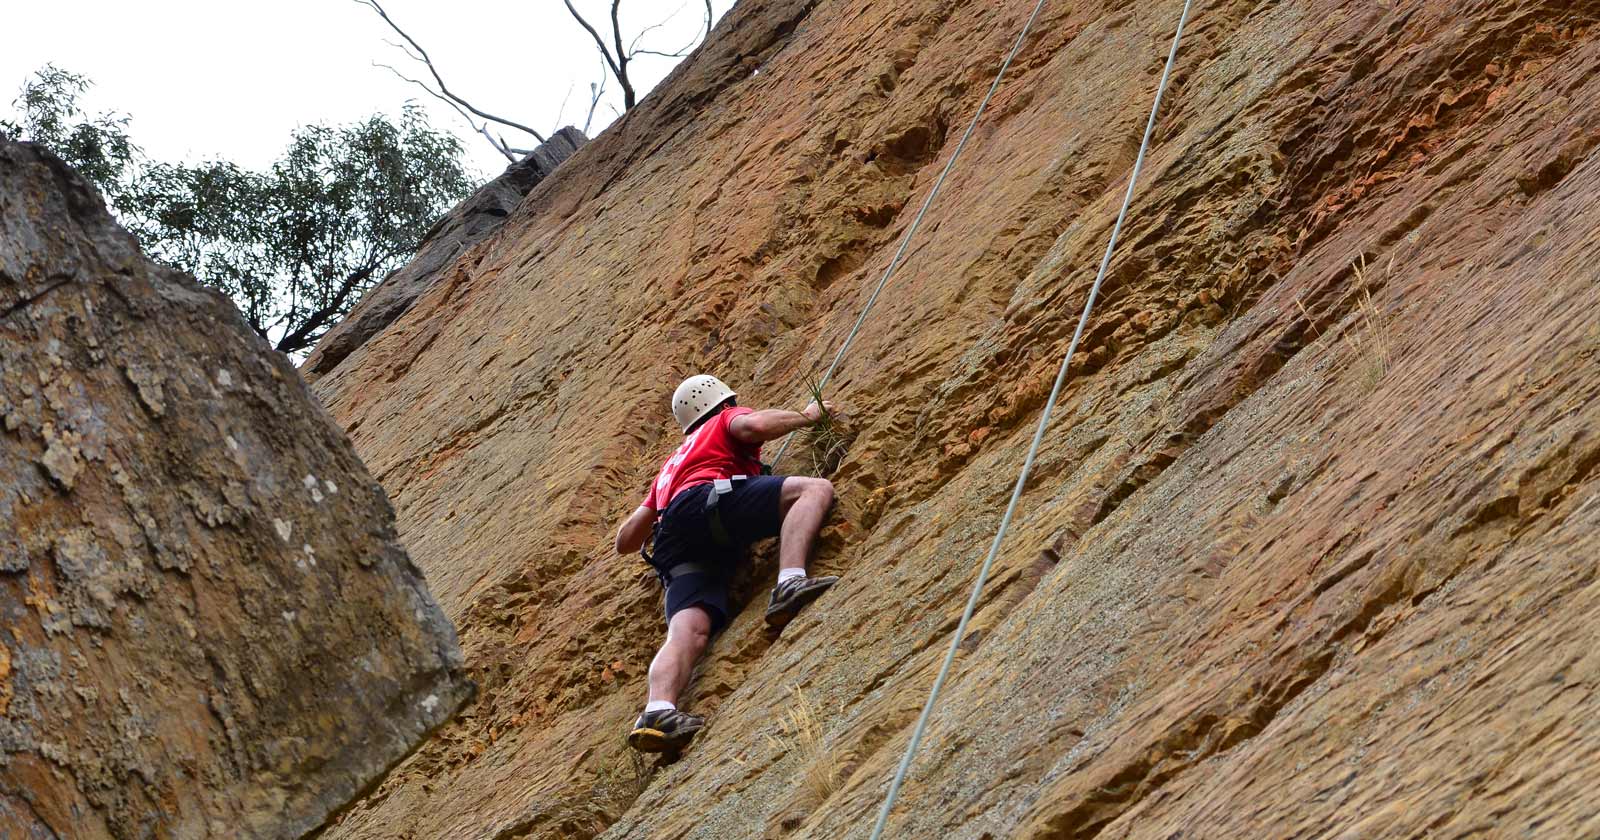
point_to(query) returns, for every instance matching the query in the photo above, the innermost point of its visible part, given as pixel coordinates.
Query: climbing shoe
(666, 730)
(790, 595)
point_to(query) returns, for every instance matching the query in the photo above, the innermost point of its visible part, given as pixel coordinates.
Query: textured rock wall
(1310, 551)
(209, 628)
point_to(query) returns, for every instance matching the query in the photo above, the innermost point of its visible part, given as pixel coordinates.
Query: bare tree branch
(512, 149)
(605, 52)
(614, 57)
(405, 49)
(481, 129)
(595, 92)
(499, 145)
(444, 91)
(317, 321)
(634, 44)
(622, 58)
(616, 60)
(561, 112)
(700, 35)
(662, 54)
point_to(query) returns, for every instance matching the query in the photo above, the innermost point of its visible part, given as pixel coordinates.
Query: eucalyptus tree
(294, 245)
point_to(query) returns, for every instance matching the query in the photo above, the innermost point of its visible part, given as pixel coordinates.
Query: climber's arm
(774, 423)
(635, 530)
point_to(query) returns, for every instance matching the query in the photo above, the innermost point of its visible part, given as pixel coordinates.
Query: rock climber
(707, 505)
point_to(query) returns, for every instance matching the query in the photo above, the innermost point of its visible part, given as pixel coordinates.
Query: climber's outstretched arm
(635, 530)
(774, 423)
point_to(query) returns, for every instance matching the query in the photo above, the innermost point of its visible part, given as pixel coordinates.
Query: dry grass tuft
(1367, 342)
(825, 441)
(800, 732)
(621, 781)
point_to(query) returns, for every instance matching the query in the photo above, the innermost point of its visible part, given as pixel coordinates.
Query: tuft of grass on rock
(1368, 342)
(825, 442)
(800, 733)
(622, 780)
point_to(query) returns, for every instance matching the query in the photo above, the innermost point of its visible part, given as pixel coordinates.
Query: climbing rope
(905, 241)
(1038, 437)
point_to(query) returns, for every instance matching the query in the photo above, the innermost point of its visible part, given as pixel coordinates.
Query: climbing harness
(719, 532)
(1038, 437)
(719, 488)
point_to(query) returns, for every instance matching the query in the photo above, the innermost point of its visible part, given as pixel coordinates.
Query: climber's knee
(818, 491)
(822, 490)
(690, 628)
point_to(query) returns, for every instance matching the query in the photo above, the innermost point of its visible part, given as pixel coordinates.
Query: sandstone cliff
(210, 629)
(1310, 551)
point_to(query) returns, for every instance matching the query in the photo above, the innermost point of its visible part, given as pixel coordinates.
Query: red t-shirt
(709, 453)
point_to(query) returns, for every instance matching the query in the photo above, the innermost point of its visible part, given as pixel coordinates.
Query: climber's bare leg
(804, 502)
(687, 636)
(666, 728)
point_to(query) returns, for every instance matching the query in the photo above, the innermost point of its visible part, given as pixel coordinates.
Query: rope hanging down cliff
(1038, 436)
(911, 231)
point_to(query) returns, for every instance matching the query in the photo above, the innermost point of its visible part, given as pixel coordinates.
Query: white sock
(785, 574)
(657, 706)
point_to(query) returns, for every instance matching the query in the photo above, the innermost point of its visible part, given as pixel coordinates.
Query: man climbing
(706, 506)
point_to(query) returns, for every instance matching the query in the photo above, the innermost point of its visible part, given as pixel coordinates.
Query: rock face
(469, 222)
(1311, 548)
(210, 629)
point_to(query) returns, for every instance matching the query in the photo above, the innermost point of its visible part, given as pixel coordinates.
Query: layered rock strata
(209, 627)
(1311, 547)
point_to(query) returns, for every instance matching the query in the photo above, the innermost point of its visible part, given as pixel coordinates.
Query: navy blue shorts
(751, 511)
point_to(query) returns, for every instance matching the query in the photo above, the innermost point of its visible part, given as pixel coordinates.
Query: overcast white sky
(230, 79)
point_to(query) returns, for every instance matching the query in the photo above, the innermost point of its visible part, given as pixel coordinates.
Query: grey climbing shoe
(667, 730)
(789, 596)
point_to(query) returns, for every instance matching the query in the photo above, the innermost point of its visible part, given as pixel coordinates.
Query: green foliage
(96, 145)
(294, 246)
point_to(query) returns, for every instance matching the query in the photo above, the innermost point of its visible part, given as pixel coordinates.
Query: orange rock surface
(1311, 547)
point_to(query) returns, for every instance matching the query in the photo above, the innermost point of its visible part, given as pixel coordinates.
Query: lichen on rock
(149, 684)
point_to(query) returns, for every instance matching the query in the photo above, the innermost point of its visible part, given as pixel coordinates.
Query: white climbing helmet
(696, 396)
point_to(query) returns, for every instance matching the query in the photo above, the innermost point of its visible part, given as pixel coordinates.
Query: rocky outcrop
(1311, 547)
(469, 222)
(210, 629)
